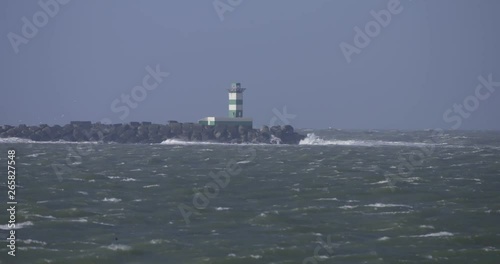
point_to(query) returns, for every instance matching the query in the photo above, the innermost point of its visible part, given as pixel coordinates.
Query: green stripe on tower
(236, 102)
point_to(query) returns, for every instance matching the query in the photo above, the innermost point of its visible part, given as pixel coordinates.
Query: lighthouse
(236, 100)
(235, 113)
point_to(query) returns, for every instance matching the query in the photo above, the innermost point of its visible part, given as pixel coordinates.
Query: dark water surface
(369, 196)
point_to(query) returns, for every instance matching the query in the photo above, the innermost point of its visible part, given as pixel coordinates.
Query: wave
(150, 186)
(129, 179)
(382, 205)
(35, 155)
(18, 225)
(312, 139)
(32, 241)
(222, 208)
(116, 247)
(16, 140)
(438, 234)
(181, 142)
(112, 200)
(177, 142)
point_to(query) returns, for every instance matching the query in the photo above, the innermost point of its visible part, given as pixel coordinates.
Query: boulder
(175, 129)
(135, 124)
(81, 124)
(164, 132)
(207, 133)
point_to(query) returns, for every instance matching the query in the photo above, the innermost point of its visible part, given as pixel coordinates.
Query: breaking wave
(182, 142)
(312, 139)
(16, 140)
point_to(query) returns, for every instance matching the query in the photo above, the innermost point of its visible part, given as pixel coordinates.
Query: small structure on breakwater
(235, 117)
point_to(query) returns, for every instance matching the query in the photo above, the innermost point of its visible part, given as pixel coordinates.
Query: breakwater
(147, 132)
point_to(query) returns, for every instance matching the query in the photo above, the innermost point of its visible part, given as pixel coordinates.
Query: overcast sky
(88, 54)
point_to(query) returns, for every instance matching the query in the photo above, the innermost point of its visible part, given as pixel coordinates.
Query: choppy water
(350, 189)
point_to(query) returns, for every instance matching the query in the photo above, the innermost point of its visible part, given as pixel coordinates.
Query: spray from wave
(16, 140)
(312, 139)
(181, 142)
(177, 142)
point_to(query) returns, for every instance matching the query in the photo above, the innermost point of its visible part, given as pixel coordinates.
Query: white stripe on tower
(235, 96)
(235, 107)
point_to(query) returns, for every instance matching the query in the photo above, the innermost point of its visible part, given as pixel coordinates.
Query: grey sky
(285, 52)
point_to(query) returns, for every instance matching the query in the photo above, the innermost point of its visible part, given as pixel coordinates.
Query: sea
(340, 196)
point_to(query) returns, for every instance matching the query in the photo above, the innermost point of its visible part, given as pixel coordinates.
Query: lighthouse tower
(235, 111)
(236, 100)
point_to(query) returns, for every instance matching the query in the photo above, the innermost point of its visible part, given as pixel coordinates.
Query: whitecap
(382, 205)
(129, 179)
(150, 186)
(178, 143)
(29, 141)
(32, 241)
(113, 200)
(116, 247)
(438, 234)
(488, 249)
(101, 223)
(158, 241)
(222, 208)
(15, 140)
(34, 155)
(17, 225)
(383, 238)
(44, 216)
(327, 199)
(348, 206)
(312, 139)
(79, 220)
(391, 213)
(380, 182)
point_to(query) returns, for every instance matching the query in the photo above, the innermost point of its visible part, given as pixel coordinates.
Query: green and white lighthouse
(236, 100)
(235, 110)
